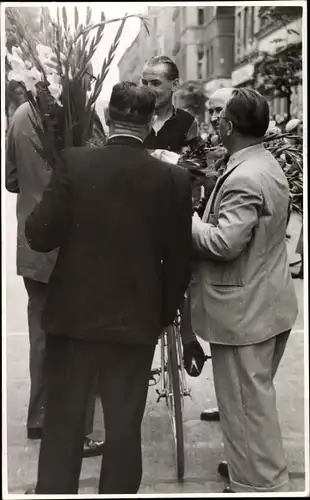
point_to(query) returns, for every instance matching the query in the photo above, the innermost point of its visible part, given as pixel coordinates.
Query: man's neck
(164, 112)
(244, 144)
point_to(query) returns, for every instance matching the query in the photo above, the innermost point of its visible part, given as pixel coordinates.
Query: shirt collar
(236, 156)
(171, 116)
(125, 135)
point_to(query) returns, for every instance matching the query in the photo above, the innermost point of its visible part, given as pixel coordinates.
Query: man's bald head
(216, 103)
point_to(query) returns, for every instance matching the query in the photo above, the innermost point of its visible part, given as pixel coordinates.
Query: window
(200, 55)
(201, 17)
(252, 25)
(238, 35)
(183, 18)
(211, 60)
(245, 27)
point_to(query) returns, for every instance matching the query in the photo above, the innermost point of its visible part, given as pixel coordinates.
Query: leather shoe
(223, 470)
(212, 415)
(34, 432)
(92, 448)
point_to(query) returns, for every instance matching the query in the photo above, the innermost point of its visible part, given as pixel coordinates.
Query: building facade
(214, 46)
(219, 46)
(255, 34)
(144, 46)
(198, 39)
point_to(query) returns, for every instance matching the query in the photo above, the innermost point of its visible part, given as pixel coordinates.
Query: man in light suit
(243, 297)
(122, 222)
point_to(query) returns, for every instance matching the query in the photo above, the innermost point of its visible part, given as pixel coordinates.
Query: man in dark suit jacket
(122, 222)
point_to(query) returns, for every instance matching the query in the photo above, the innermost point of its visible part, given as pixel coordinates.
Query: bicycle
(173, 386)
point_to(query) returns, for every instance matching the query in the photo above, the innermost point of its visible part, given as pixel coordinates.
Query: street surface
(203, 446)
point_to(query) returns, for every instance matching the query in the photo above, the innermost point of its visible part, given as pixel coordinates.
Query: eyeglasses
(92, 77)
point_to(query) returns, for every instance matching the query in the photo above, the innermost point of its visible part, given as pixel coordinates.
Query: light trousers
(244, 386)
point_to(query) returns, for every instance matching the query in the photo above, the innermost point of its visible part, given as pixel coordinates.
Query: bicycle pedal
(160, 395)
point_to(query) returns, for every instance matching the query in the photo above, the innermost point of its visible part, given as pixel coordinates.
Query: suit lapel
(219, 183)
(231, 165)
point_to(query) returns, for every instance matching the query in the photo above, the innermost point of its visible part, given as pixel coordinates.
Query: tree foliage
(279, 72)
(191, 98)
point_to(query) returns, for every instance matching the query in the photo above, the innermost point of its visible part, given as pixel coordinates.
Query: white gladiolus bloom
(55, 87)
(49, 66)
(17, 51)
(17, 76)
(16, 63)
(32, 77)
(44, 52)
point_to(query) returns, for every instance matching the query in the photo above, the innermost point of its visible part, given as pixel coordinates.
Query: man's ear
(230, 127)
(153, 120)
(175, 84)
(106, 116)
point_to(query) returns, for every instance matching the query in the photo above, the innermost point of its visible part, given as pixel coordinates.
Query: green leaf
(88, 15)
(76, 17)
(64, 18)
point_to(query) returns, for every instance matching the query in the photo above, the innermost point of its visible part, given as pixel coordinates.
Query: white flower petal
(16, 63)
(44, 51)
(17, 52)
(17, 76)
(55, 91)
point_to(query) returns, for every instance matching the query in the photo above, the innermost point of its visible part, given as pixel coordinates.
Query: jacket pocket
(225, 305)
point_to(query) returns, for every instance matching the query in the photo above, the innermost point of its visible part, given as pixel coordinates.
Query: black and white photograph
(155, 335)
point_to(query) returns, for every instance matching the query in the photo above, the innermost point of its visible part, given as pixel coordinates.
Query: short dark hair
(131, 103)
(172, 70)
(249, 112)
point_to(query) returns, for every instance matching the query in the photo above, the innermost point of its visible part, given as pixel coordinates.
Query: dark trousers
(123, 377)
(36, 291)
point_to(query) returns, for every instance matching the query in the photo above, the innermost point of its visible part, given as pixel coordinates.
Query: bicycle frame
(173, 387)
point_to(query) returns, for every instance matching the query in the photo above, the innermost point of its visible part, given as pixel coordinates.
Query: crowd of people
(109, 248)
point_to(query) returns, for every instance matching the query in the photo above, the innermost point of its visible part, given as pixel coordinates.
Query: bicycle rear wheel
(174, 398)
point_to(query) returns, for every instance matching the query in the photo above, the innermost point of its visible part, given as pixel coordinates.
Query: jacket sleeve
(11, 175)
(239, 212)
(47, 226)
(177, 255)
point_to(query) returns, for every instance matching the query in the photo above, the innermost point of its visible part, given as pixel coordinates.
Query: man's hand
(167, 156)
(197, 224)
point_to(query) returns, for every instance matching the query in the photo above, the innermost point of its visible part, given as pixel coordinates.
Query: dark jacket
(122, 220)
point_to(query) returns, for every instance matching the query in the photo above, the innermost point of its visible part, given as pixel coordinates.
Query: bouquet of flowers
(210, 158)
(53, 75)
(287, 149)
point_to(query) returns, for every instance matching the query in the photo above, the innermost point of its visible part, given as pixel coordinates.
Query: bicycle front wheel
(174, 401)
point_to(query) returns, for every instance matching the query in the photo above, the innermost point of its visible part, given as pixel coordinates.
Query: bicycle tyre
(175, 395)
